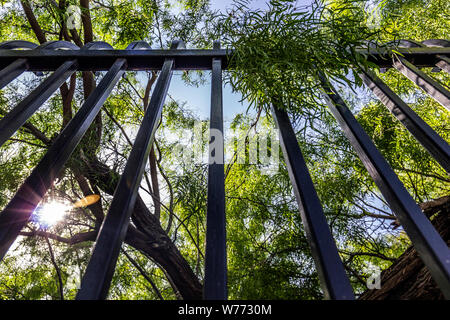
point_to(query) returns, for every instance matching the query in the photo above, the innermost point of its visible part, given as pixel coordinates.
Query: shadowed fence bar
(18, 211)
(100, 270)
(215, 287)
(28, 106)
(424, 81)
(443, 61)
(429, 139)
(428, 243)
(12, 71)
(98, 56)
(16, 68)
(333, 279)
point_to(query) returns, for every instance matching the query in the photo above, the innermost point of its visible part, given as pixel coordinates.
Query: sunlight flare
(86, 201)
(51, 212)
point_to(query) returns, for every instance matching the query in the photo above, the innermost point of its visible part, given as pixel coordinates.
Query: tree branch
(152, 158)
(58, 270)
(86, 20)
(80, 237)
(66, 94)
(144, 274)
(33, 21)
(96, 208)
(370, 254)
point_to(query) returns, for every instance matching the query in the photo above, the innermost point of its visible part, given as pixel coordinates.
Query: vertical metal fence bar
(429, 139)
(16, 68)
(429, 85)
(18, 211)
(215, 285)
(430, 246)
(12, 71)
(333, 278)
(10, 123)
(100, 270)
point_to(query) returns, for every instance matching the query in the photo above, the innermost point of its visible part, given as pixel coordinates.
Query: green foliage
(415, 19)
(280, 53)
(265, 241)
(419, 172)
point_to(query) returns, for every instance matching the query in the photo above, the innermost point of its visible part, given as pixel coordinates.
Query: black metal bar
(187, 59)
(17, 67)
(18, 211)
(429, 139)
(430, 246)
(215, 285)
(99, 60)
(436, 43)
(429, 85)
(57, 44)
(12, 71)
(10, 123)
(99, 272)
(333, 279)
(444, 62)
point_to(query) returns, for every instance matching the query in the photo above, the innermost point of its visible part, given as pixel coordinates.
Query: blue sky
(223, 4)
(198, 99)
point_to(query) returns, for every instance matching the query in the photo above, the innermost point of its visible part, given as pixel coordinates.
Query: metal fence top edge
(42, 59)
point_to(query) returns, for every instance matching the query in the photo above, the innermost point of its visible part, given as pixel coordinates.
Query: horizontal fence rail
(187, 59)
(64, 59)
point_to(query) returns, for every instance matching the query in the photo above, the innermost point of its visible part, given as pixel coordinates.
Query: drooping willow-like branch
(78, 238)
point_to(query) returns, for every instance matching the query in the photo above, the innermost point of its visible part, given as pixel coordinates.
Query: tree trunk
(166, 254)
(408, 278)
(148, 237)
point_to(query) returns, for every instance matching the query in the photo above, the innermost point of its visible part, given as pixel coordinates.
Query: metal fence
(64, 58)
